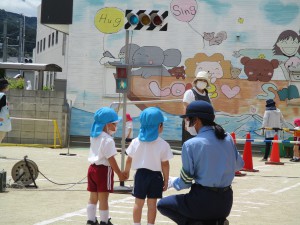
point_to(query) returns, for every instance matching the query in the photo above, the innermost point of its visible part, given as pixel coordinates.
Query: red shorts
(297, 139)
(100, 178)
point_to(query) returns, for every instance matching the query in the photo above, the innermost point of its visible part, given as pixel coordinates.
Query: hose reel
(25, 171)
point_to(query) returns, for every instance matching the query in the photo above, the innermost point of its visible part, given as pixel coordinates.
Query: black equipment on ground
(25, 171)
(2, 181)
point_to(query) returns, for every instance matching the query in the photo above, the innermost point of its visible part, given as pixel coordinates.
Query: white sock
(91, 212)
(104, 214)
(150, 224)
(137, 224)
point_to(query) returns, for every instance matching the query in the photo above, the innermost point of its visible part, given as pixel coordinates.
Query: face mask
(191, 130)
(112, 132)
(201, 85)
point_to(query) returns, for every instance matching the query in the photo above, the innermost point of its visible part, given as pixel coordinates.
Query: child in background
(129, 129)
(149, 155)
(296, 156)
(5, 121)
(103, 165)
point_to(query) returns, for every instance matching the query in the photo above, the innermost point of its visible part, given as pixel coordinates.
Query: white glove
(171, 181)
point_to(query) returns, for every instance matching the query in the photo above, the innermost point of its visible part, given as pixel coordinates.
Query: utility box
(2, 181)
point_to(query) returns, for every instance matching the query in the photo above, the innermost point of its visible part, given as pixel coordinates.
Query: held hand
(1, 119)
(166, 184)
(122, 177)
(126, 174)
(171, 182)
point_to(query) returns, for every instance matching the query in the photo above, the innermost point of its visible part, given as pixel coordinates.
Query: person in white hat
(198, 92)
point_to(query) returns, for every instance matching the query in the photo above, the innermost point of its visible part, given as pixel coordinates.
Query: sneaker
(292, 159)
(263, 159)
(296, 160)
(108, 223)
(89, 222)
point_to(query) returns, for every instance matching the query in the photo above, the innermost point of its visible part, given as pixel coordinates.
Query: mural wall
(251, 57)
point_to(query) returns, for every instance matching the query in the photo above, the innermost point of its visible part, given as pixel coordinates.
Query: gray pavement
(267, 197)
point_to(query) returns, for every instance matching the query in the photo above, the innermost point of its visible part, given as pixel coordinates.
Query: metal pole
(5, 40)
(124, 108)
(23, 46)
(20, 40)
(69, 130)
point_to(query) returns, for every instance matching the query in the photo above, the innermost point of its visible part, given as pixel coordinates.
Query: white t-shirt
(149, 155)
(273, 119)
(129, 125)
(189, 96)
(102, 148)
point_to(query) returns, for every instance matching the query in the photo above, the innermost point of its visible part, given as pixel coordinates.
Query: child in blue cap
(103, 164)
(149, 155)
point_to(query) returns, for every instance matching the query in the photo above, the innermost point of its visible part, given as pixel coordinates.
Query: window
(56, 39)
(52, 38)
(49, 41)
(44, 44)
(41, 45)
(38, 47)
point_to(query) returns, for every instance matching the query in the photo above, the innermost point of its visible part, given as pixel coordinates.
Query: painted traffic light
(121, 72)
(150, 20)
(121, 79)
(121, 85)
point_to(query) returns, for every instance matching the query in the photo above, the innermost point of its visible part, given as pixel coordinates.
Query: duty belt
(215, 189)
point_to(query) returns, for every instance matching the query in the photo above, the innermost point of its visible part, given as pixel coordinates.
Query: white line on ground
(68, 215)
(286, 189)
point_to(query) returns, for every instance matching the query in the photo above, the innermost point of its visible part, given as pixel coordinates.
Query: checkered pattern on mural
(151, 27)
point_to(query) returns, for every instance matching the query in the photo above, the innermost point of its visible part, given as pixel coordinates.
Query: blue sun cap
(150, 118)
(102, 117)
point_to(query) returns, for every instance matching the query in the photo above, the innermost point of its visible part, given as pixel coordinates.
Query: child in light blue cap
(149, 155)
(103, 164)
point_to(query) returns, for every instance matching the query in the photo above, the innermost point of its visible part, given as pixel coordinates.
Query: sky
(26, 7)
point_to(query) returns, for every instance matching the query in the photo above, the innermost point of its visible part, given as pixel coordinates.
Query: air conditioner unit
(2, 181)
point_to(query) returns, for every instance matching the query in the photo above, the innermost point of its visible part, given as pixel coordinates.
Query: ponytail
(219, 131)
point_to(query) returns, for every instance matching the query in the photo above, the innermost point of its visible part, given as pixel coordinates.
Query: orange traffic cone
(237, 173)
(275, 155)
(247, 156)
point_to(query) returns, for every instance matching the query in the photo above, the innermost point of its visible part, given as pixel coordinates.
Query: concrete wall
(47, 105)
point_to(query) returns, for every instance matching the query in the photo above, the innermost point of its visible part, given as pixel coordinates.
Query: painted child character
(102, 165)
(296, 132)
(149, 155)
(5, 121)
(288, 44)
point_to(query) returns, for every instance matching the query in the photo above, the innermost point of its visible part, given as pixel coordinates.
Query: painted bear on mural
(259, 69)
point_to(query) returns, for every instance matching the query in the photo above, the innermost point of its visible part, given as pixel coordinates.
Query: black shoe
(108, 223)
(295, 160)
(89, 222)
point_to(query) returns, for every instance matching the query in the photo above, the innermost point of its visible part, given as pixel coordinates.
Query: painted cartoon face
(213, 68)
(121, 55)
(289, 46)
(259, 69)
(295, 77)
(149, 55)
